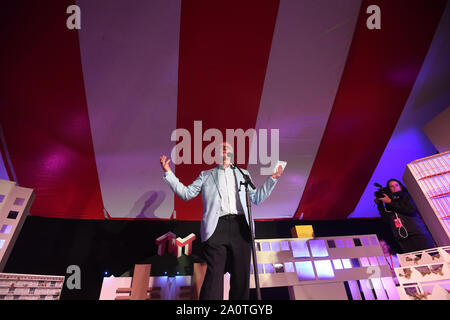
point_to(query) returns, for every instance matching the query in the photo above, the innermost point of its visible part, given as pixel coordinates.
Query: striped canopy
(85, 114)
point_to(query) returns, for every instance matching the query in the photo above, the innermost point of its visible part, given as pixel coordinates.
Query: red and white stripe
(86, 114)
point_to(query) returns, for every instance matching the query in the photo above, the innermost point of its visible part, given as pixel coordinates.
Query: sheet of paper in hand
(275, 168)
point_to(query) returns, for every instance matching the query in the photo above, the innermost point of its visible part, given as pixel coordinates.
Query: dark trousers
(227, 250)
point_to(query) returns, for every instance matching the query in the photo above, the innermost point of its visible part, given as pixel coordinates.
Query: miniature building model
(424, 274)
(15, 203)
(175, 244)
(428, 182)
(350, 267)
(30, 287)
(143, 287)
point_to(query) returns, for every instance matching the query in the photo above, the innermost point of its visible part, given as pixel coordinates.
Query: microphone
(246, 177)
(231, 156)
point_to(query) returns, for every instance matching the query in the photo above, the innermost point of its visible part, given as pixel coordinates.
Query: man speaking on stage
(224, 228)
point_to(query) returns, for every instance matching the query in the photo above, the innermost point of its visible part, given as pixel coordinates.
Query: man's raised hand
(279, 172)
(164, 163)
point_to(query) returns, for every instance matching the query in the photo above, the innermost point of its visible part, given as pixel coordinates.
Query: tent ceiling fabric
(131, 115)
(44, 113)
(85, 114)
(381, 69)
(301, 82)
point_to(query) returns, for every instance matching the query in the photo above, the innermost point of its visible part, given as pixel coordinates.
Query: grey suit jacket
(207, 184)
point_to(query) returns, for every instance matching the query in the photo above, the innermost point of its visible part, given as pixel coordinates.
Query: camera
(382, 191)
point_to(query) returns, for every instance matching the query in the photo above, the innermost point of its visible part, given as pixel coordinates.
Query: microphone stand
(248, 182)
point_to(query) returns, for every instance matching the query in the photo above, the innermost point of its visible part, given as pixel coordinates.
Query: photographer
(398, 210)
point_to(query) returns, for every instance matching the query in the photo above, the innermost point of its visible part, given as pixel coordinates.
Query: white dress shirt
(230, 203)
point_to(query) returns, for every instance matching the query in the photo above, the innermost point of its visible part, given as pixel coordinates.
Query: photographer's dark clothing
(416, 236)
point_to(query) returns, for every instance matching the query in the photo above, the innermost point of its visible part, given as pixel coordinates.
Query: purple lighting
(276, 246)
(379, 290)
(289, 267)
(6, 228)
(337, 264)
(347, 264)
(340, 243)
(349, 243)
(19, 201)
(354, 289)
(305, 270)
(55, 161)
(365, 241)
(285, 246)
(373, 261)
(355, 263)
(268, 267)
(364, 261)
(318, 248)
(391, 290)
(366, 289)
(300, 249)
(260, 268)
(381, 260)
(324, 269)
(374, 241)
(403, 76)
(265, 246)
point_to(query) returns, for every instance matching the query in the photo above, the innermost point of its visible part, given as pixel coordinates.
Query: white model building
(326, 268)
(428, 182)
(30, 287)
(424, 274)
(15, 203)
(350, 267)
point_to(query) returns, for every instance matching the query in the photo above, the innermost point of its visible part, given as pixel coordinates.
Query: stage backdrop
(86, 113)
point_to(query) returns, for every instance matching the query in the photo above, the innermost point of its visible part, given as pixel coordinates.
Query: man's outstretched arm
(262, 193)
(185, 193)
